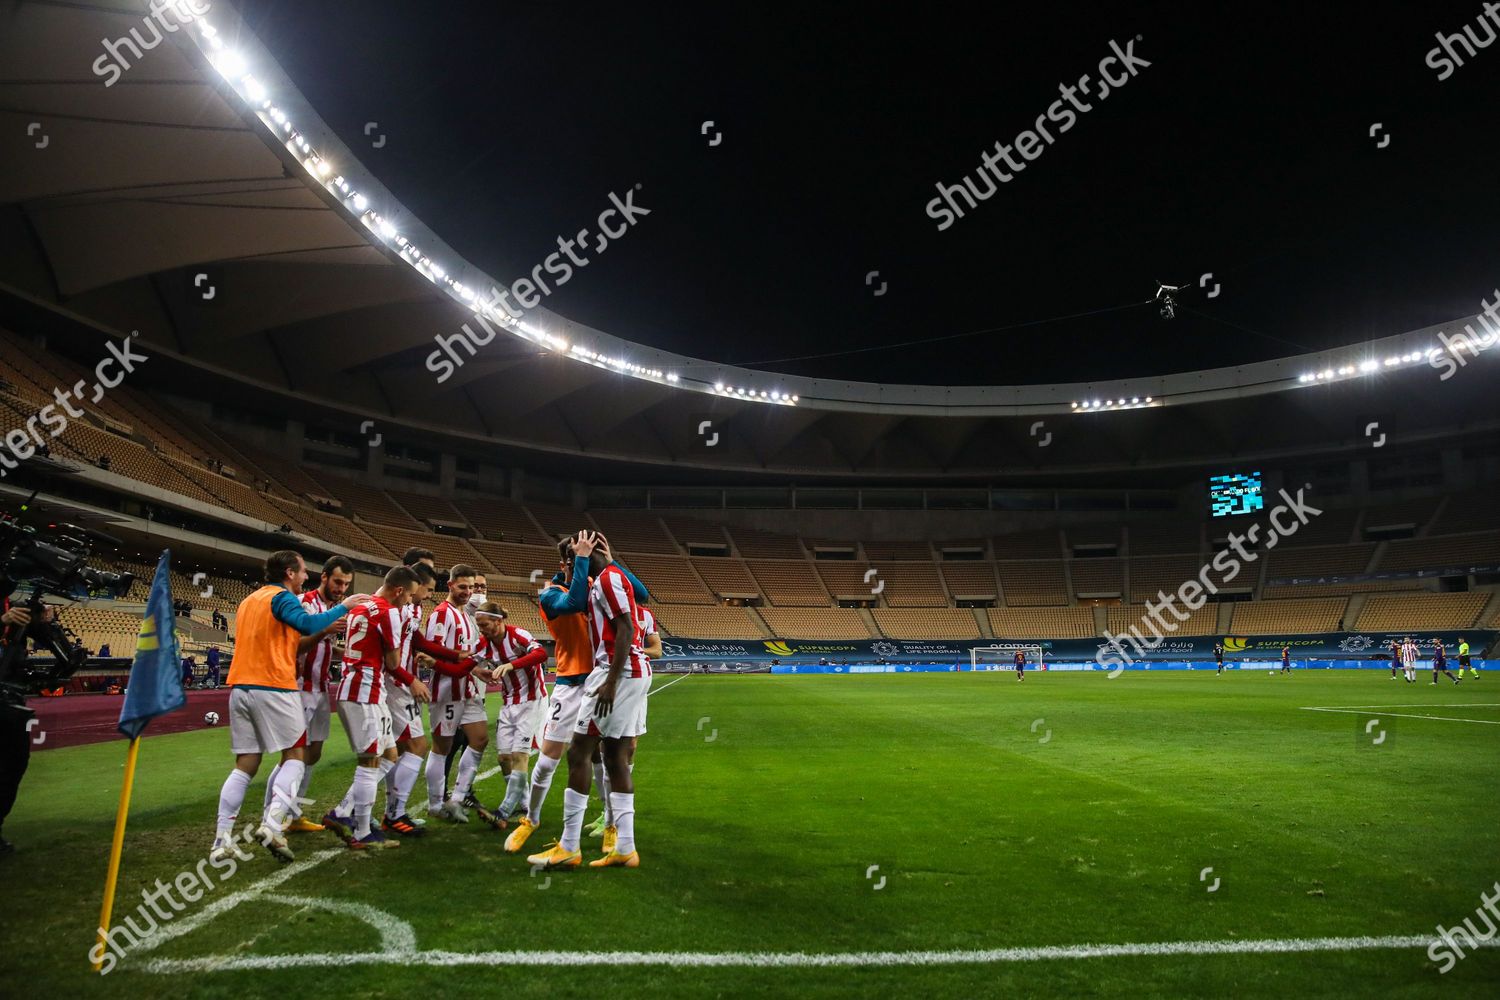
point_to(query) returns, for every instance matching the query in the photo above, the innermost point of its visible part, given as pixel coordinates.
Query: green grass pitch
(1068, 810)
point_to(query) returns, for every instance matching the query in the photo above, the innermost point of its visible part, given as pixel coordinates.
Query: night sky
(1244, 150)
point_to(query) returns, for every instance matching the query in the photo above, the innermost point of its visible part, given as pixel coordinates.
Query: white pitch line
(668, 684)
(1411, 704)
(218, 907)
(1406, 715)
(795, 959)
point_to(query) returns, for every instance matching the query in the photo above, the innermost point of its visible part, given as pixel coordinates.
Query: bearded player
(564, 603)
(457, 702)
(315, 655)
(613, 711)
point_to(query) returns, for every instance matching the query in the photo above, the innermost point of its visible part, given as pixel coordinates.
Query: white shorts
(406, 713)
(563, 712)
(368, 726)
(447, 716)
(628, 716)
(316, 715)
(516, 726)
(262, 720)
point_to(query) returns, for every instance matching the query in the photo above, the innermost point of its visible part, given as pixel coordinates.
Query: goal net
(1003, 656)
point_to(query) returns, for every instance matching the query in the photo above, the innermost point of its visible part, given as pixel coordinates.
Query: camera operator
(15, 734)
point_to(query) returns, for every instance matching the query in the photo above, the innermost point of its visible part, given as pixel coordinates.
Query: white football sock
(541, 781)
(271, 786)
(468, 766)
(284, 799)
(231, 797)
(623, 806)
(306, 781)
(514, 783)
(365, 780)
(574, 804)
(399, 784)
(435, 778)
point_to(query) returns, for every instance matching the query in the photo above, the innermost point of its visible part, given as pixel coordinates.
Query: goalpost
(1002, 656)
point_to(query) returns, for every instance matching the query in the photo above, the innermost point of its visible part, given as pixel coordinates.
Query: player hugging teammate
(603, 633)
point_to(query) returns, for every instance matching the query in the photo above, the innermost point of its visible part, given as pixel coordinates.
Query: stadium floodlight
(361, 202)
(254, 89)
(230, 64)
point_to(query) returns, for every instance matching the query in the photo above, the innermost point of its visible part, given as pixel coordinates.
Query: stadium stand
(911, 584)
(1290, 616)
(426, 509)
(750, 543)
(1414, 513)
(1204, 621)
(927, 623)
(709, 622)
(1400, 612)
(820, 623)
(670, 579)
(447, 550)
(726, 577)
(366, 503)
(519, 560)
(1032, 583)
(633, 531)
(848, 579)
(1098, 577)
(501, 520)
(789, 583)
(1465, 512)
(1436, 553)
(1152, 575)
(691, 531)
(1054, 623)
(970, 579)
(522, 611)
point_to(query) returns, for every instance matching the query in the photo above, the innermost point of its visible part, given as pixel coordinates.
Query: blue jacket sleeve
(642, 595)
(289, 611)
(575, 599)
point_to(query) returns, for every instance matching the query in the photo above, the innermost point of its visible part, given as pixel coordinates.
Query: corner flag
(155, 686)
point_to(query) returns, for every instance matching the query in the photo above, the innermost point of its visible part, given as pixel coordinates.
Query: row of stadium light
(1369, 366)
(1133, 403)
(758, 395)
(232, 66)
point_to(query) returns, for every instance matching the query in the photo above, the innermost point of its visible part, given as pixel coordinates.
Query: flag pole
(116, 848)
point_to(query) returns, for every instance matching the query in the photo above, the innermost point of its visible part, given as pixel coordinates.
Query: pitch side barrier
(1323, 651)
(1090, 665)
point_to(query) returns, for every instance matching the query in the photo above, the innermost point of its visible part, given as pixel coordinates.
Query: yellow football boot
(517, 838)
(556, 857)
(613, 860)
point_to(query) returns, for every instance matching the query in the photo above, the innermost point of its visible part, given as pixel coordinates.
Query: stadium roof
(198, 199)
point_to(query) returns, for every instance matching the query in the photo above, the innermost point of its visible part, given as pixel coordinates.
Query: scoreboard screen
(1235, 493)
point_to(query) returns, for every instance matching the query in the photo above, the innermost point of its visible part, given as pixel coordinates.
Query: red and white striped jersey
(525, 683)
(610, 597)
(453, 627)
(312, 666)
(645, 621)
(373, 628)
